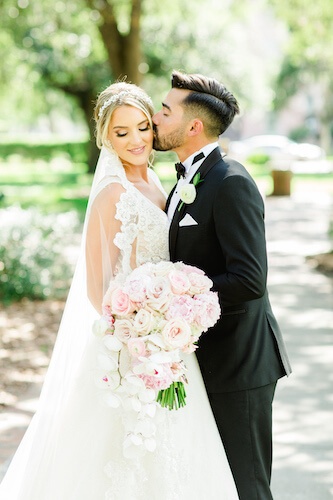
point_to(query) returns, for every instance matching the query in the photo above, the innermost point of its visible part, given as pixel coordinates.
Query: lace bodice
(144, 229)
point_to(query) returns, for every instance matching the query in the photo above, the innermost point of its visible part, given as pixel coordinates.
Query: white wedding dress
(73, 447)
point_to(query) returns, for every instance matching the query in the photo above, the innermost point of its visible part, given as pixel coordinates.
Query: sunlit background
(276, 56)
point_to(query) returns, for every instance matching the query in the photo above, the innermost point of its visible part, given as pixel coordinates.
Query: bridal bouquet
(149, 319)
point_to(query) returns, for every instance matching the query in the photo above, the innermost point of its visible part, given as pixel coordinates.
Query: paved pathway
(302, 300)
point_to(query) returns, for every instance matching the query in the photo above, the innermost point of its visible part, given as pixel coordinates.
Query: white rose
(143, 322)
(123, 330)
(163, 268)
(158, 294)
(187, 193)
(199, 283)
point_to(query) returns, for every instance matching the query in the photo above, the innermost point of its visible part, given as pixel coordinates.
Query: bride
(72, 449)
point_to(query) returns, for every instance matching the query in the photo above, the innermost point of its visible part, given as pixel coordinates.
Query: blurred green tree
(308, 57)
(77, 48)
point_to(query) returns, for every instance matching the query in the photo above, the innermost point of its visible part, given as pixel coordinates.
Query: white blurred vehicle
(277, 147)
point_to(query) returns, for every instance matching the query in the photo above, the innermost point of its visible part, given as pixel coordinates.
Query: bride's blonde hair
(111, 98)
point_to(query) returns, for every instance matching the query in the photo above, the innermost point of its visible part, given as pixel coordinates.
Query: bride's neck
(136, 173)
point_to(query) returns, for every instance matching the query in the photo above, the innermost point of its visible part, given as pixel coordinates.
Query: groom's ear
(195, 127)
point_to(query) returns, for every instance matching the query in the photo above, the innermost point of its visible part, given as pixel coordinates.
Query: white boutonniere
(188, 193)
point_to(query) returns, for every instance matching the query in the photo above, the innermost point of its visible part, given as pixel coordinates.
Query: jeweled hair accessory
(117, 97)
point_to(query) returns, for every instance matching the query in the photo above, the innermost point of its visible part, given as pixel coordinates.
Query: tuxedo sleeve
(238, 212)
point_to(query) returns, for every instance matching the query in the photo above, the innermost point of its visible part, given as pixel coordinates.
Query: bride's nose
(136, 138)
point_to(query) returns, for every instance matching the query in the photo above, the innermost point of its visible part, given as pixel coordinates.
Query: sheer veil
(74, 336)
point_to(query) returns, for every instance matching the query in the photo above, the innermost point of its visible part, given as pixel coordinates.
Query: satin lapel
(169, 198)
(207, 164)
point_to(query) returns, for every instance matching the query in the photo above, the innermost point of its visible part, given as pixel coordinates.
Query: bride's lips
(137, 151)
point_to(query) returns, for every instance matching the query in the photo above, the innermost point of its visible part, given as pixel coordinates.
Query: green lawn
(60, 185)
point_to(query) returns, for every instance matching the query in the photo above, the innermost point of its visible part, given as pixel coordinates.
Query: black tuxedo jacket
(244, 349)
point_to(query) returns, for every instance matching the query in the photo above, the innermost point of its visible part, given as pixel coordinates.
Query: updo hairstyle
(111, 98)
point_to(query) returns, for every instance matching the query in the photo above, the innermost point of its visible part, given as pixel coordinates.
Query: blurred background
(276, 56)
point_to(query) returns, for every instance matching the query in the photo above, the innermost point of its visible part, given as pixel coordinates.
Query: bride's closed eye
(145, 129)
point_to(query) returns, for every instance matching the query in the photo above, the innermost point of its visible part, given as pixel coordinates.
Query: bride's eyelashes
(140, 129)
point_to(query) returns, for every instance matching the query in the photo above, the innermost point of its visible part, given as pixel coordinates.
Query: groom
(222, 232)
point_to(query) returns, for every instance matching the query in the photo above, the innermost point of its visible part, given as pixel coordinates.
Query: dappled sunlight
(302, 300)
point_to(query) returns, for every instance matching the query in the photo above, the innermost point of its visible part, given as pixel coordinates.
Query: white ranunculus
(99, 327)
(187, 193)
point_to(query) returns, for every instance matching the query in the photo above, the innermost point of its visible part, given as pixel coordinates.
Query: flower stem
(173, 397)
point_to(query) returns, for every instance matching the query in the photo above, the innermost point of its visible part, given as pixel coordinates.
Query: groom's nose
(155, 118)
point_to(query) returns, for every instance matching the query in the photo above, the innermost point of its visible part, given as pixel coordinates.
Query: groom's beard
(169, 141)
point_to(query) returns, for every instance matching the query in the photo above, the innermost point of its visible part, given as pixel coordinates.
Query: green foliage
(55, 184)
(33, 254)
(258, 158)
(299, 134)
(76, 151)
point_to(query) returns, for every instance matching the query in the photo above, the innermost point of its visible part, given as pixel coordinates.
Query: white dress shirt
(190, 173)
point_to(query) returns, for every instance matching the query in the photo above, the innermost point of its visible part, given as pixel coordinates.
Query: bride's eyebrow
(124, 126)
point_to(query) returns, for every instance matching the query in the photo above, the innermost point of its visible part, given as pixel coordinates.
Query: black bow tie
(180, 169)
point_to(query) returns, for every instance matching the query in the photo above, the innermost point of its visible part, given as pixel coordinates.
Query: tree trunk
(87, 104)
(326, 115)
(124, 52)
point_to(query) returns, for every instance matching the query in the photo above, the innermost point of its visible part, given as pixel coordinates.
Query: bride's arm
(101, 252)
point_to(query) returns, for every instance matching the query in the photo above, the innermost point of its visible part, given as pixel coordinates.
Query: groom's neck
(191, 147)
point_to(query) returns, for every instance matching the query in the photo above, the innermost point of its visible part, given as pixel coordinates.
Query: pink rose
(136, 347)
(181, 307)
(179, 282)
(186, 268)
(207, 310)
(158, 294)
(106, 304)
(123, 330)
(176, 333)
(120, 303)
(199, 283)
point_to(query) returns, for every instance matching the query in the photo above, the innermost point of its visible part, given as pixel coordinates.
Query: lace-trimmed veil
(74, 336)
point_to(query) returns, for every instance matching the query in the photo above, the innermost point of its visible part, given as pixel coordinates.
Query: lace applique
(166, 470)
(144, 222)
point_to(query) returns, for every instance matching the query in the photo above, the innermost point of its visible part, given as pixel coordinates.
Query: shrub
(36, 253)
(76, 151)
(258, 158)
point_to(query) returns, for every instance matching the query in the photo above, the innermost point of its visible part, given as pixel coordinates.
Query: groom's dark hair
(208, 100)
